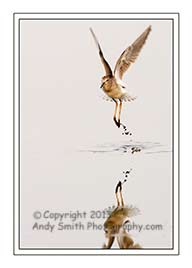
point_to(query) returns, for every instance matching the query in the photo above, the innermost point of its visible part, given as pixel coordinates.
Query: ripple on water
(131, 147)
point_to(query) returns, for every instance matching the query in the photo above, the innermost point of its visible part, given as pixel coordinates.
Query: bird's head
(104, 80)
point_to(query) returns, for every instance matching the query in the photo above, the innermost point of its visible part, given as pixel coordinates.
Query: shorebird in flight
(112, 83)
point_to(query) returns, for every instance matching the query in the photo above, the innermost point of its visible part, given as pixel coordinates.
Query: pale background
(6, 115)
(62, 114)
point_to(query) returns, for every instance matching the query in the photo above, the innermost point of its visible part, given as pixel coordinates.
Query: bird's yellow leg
(118, 202)
(115, 113)
(116, 193)
(121, 196)
(118, 188)
(119, 115)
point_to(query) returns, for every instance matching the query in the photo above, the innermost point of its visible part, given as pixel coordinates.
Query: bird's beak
(102, 84)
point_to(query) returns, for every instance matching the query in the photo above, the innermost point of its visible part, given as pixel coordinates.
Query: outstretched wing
(119, 214)
(103, 60)
(130, 54)
(132, 211)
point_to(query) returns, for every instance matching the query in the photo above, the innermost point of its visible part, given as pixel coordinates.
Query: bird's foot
(118, 123)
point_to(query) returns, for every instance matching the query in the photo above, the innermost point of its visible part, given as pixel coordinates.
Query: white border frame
(17, 17)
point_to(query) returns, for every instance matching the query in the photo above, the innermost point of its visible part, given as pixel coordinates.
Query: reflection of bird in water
(114, 225)
(112, 81)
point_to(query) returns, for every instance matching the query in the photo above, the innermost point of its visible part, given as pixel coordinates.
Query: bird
(114, 226)
(111, 82)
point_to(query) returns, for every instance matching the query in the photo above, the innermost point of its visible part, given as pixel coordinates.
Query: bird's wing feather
(132, 211)
(103, 60)
(127, 211)
(130, 54)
